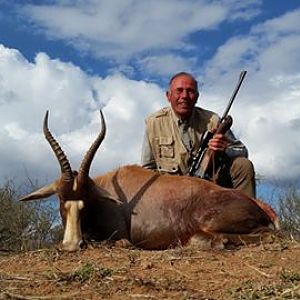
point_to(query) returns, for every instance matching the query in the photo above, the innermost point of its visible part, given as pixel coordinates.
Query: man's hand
(218, 142)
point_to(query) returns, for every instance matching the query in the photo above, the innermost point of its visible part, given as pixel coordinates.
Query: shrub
(289, 211)
(25, 226)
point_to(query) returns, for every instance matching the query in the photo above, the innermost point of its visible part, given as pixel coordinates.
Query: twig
(258, 271)
(292, 290)
(6, 250)
(184, 258)
(18, 278)
(8, 295)
(142, 296)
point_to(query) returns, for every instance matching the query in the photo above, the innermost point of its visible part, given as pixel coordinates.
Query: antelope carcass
(150, 210)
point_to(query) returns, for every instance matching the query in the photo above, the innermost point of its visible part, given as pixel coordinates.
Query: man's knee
(243, 166)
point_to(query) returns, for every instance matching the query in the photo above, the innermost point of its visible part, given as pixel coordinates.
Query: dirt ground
(265, 271)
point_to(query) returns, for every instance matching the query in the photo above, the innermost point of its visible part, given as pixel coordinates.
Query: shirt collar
(179, 122)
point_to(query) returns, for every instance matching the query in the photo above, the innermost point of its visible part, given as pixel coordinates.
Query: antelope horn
(88, 158)
(65, 167)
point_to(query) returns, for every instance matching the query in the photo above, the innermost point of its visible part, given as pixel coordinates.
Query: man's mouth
(184, 104)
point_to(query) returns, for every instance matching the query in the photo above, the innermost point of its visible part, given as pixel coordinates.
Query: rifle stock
(204, 157)
(207, 157)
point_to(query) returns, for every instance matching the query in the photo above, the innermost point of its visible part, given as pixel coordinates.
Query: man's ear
(168, 95)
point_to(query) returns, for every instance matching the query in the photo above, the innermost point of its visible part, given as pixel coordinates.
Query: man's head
(183, 94)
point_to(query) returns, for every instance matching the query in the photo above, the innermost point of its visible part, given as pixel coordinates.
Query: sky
(76, 57)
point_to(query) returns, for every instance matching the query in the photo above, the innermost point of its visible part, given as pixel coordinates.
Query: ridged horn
(88, 158)
(65, 166)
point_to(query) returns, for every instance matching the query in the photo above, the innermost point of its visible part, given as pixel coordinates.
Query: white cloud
(267, 110)
(128, 102)
(73, 98)
(121, 29)
(287, 24)
(171, 64)
(243, 10)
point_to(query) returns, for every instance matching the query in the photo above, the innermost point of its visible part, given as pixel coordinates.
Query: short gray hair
(183, 74)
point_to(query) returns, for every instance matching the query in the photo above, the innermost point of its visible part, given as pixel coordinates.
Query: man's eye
(190, 91)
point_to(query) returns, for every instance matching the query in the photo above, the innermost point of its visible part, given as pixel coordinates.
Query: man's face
(183, 95)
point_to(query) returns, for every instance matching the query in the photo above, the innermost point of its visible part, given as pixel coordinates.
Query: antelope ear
(44, 192)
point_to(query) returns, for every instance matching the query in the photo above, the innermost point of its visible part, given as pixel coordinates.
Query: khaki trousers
(237, 173)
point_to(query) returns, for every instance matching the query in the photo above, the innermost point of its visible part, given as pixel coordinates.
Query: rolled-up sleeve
(236, 148)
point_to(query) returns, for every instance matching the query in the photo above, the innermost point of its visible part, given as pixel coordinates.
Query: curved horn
(87, 160)
(60, 155)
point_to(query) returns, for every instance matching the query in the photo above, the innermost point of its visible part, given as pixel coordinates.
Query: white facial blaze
(72, 235)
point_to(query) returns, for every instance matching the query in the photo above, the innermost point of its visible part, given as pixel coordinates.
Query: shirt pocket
(166, 147)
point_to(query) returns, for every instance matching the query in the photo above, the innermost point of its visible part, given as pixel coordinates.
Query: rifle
(203, 159)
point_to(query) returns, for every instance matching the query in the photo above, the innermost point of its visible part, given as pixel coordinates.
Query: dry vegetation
(266, 271)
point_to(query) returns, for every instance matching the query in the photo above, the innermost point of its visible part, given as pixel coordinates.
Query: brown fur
(175, 208)
(154, 211)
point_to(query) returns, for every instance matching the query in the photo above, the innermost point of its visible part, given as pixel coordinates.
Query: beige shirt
(170, 142)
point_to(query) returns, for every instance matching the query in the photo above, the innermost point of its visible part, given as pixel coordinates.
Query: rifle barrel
(236, 90)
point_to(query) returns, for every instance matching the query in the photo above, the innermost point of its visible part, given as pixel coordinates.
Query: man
(173, 135)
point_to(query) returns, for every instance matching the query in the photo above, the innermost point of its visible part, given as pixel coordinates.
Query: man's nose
(184, 94)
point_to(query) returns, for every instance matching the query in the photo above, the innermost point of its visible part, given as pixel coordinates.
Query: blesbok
(150, 210)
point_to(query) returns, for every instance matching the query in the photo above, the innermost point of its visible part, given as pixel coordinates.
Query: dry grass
(267, 271)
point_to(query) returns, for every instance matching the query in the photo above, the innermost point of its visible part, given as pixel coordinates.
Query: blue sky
(74, 57)
(27, 38)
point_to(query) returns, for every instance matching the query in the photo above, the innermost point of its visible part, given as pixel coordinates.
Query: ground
(266, 271)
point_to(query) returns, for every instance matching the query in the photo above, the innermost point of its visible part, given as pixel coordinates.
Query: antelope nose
(72, 246)
(82, 244)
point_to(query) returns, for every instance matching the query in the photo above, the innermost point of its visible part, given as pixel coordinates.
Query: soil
(265, 271)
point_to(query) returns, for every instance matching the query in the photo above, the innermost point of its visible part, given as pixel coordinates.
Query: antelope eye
(80, 204)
